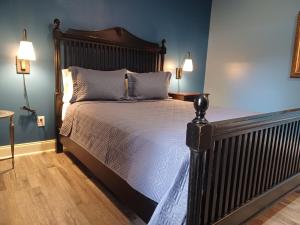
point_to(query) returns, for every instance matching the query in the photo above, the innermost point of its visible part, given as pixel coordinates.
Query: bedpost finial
(163, 46)
(201, 104)
(56, 24)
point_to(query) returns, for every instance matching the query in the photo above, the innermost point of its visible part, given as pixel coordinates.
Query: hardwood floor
(50, 188)
(285, 212)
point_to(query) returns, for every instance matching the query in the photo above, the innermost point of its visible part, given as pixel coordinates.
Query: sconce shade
(188, 65)
(26, 51)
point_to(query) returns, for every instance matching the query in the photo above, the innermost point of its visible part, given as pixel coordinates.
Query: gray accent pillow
(152, 85)
(97, 85)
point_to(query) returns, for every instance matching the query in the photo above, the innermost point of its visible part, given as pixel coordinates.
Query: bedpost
(162, 54)
(200, 140)
(58, 92)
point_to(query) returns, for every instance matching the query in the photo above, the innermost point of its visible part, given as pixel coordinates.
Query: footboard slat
(267, 160)
(294, 148)
(222, 177)
(262, 163)
(230, 173)
(297, 151)
(285, 150)
(245, 178)
(272, 157)
(241, 170)
(279, 155)
(236, 168)
(209, 194)
(276, 156)
(253, 161)
(285, 153)
(247, 164)
(290, 152)
(255, 166)
(216, 180)
(297, 164)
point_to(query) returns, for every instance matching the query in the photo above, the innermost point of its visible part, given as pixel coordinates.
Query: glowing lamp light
(188, 65)
(26, 51)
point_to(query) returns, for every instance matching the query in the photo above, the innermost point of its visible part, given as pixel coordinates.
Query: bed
(239, 163)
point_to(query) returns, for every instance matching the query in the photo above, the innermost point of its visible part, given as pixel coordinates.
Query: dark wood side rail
(238, 167)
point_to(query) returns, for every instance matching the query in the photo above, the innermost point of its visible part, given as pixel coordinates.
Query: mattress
(143, 142)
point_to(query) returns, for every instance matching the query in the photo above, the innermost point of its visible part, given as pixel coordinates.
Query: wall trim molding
(28, 148)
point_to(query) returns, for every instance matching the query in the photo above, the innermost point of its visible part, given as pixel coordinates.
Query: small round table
(10, 116)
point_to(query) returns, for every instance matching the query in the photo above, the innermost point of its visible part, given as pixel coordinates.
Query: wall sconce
(187, 66)
(25, 55)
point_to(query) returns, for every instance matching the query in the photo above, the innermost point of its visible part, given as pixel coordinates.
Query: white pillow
(68, 85)
(64, 110)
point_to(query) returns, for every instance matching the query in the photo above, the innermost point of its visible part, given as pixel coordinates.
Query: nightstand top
(185, 93)
(184, 96)
(5, 113)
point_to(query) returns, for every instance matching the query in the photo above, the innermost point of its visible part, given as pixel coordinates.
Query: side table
(10, 115)
(184, 96)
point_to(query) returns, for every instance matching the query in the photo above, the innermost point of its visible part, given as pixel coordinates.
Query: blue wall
(250, 53)
(184, 24)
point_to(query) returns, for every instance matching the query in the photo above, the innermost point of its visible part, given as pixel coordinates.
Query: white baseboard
(28, 148)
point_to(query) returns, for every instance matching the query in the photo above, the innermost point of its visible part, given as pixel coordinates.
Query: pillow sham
(152, 85)
(91, 84)
(102, 85)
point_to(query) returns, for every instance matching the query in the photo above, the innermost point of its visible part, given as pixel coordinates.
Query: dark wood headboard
(108, 49)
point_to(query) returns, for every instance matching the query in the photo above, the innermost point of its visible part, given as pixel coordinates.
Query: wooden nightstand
(184, 96)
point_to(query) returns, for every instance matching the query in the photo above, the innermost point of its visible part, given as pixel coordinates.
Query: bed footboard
(238, 167)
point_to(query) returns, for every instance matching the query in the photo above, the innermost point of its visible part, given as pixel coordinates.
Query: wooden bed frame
(238, 167)
(109, 49)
